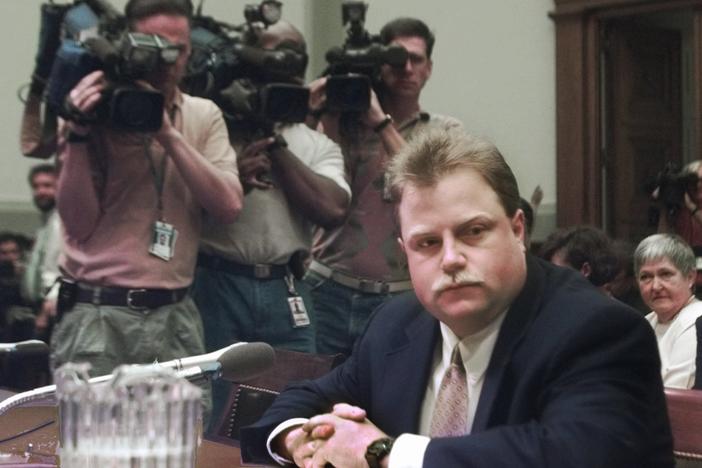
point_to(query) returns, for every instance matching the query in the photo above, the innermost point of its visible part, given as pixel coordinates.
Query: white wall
(493, 69)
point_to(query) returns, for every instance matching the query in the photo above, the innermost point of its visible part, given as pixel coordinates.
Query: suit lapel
(519, 315)
(408, 368)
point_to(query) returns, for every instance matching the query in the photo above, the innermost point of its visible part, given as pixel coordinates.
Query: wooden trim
(581, 7)
(577, 28)
(697, 77)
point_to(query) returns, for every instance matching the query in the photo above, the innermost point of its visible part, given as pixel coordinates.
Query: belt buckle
(130, 299)
(262, 271)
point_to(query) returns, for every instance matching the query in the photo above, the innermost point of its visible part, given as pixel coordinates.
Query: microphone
(25, 347)
(234, 363)
(243, 360)
(239, 361)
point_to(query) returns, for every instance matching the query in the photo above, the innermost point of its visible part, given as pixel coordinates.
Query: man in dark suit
(553, 374)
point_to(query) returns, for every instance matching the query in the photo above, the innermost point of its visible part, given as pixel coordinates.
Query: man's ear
(586, 269)
(519, 226)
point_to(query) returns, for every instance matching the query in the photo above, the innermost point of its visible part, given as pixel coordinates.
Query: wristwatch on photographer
(377, 450)
(278, 142)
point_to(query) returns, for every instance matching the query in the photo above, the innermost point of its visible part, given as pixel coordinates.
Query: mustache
(462, 278)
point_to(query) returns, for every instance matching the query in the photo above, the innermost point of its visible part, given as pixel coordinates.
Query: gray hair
(665, 246)
(433, 154)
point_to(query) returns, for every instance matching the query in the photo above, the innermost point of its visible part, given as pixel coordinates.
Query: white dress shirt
(476, 350)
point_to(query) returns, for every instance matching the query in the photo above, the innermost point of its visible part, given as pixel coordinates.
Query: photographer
(684, 217)
(359, 265)
(124, 296)
(246, 285)
(38, 137)
(42, 269)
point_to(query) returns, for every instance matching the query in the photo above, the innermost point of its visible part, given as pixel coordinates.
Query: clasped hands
(339, 438)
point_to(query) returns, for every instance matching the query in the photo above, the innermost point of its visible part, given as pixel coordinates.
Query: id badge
(298, 312)
(163, 241)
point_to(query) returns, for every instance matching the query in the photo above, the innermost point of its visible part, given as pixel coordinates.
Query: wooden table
(29, 438)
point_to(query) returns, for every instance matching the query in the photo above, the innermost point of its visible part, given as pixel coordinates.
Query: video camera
(250, 84)
(96, 38)
(355, 67)
(672, 185)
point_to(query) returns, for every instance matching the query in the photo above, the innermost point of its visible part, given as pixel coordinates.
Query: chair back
(685, 412)
(248, 400)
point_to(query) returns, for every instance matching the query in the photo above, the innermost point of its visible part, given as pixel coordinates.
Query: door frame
(579, 102)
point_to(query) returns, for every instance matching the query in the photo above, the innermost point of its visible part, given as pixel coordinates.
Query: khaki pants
(108, 336)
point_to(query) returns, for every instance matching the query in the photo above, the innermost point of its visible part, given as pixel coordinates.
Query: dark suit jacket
(574, 381)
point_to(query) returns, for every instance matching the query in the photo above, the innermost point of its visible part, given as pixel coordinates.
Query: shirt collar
(419, 116)
(177, 100)
(476, 349)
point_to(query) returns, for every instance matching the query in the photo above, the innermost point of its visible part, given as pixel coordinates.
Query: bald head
(282, 32)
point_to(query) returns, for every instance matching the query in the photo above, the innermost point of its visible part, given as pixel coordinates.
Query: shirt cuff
(280, 428)
(53, 291)
(408, 451)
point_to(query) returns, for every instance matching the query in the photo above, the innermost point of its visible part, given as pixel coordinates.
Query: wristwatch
(278, 142)
(377, 450)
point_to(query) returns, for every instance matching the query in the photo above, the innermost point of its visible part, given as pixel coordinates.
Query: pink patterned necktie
(450, 416)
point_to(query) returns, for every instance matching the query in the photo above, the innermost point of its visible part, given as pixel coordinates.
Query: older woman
(665, 268)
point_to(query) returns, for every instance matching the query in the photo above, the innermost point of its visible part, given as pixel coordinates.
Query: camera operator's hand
(254, 165)
(83, 99)
(375, 115)
(318, 95)
(382, 123)
(316, 103)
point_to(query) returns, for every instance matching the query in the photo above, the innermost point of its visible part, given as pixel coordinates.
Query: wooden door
(643, 120)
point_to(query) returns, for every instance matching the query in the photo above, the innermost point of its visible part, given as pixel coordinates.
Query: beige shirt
(116, 253)
(269, 228)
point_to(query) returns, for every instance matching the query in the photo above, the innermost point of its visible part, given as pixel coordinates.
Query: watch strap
(377, 450)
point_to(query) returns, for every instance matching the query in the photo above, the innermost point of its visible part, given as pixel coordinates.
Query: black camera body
(124, 57)
(355, 67)
(672, 185)
(250, 84)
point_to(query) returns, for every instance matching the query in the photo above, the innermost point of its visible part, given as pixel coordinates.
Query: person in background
(42, 272)
(248, 280)
(11, 269)
(665, 268)
(358, 265)
(682, 215)
(124, 294)
(585, 249)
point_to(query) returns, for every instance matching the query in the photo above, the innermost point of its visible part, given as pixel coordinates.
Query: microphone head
(246, 361)
(32, 347)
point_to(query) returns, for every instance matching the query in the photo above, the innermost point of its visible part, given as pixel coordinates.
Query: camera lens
(136, 109)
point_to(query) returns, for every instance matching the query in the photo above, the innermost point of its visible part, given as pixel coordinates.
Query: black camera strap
(157, 175)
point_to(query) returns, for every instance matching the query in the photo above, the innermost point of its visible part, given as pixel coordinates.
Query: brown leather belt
(360, 284)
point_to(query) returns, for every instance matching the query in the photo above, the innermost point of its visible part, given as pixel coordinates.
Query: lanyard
(157, 176)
